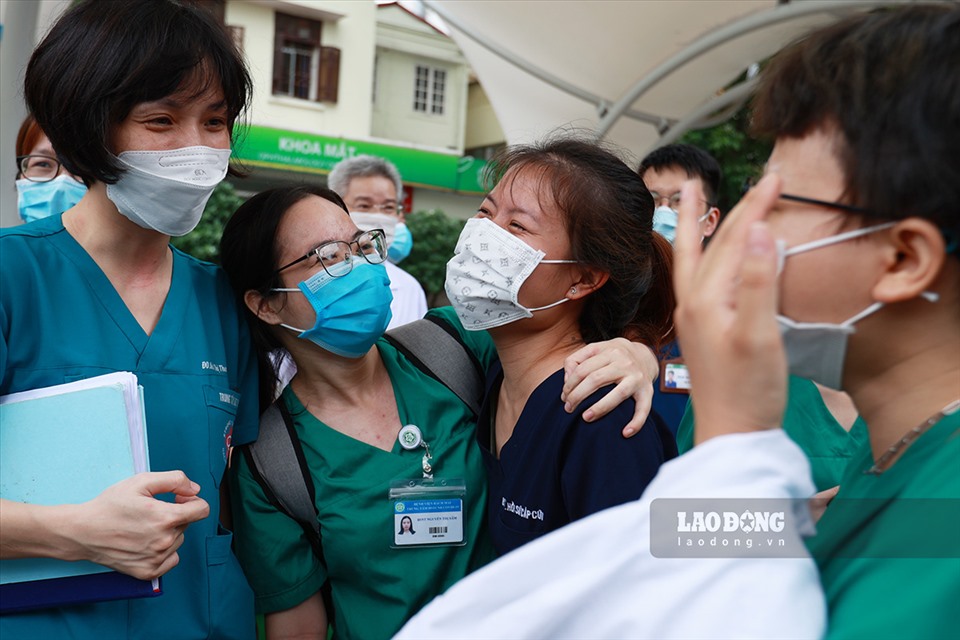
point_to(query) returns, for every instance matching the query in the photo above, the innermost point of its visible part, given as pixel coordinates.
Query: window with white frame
(429, 90)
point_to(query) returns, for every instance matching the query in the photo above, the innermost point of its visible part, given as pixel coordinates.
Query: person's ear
(262, 306)
(711, 223)
(913, 256)
(590, 280)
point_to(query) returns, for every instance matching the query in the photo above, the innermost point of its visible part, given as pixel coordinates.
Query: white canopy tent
(637, 72)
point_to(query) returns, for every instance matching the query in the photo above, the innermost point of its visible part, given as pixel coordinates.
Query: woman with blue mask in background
(44, 186)
(154, 88)
(315, 285)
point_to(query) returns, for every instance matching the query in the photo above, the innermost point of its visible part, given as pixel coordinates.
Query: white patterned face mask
(486, 272)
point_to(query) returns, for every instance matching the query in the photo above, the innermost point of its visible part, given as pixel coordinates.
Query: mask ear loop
(290, 290)
(929, 296)
(783, 252)
(560, 301)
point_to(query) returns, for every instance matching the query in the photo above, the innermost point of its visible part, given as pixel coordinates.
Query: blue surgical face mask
(665, 222)
(402, 244)
(38, 200)
(352, 311)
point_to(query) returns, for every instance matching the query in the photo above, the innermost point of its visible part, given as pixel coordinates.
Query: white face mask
(167, 190)
(817, 350)
(367, 221)
(486, 272)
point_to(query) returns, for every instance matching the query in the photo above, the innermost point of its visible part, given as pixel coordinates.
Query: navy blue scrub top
(556, 468)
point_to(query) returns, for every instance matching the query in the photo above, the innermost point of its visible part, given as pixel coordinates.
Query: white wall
(353, 34)
(403, 42)
(483, 128)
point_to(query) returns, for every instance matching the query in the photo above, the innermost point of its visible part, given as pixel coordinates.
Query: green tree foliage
(740, 156)
(435, 235)
(204, 241)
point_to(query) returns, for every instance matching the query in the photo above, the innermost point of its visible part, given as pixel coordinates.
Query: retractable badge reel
(410, 439)
(426, 510)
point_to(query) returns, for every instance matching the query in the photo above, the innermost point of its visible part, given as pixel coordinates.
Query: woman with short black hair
(139, 99)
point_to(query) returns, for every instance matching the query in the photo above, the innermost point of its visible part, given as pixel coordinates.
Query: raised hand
(725, 317)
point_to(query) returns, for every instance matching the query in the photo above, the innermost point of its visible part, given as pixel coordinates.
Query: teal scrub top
(809, 423)
(888, 546)
(375, 588)
(61, 321)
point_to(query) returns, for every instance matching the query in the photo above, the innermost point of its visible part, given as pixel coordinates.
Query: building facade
(338, 78)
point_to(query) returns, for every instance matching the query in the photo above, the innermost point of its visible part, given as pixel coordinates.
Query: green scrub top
(888, 546)
(374, 588)
(61, 320)
(810, 424)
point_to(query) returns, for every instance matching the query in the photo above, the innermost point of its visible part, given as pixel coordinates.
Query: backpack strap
(277, 462)
(276, 458)
(436, 348)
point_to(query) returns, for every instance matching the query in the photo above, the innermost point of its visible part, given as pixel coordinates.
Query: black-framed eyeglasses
(849, 208)
(829, 205)
(336, 256)
(38, 168)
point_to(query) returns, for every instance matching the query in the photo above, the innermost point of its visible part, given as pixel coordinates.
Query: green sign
(295, 151)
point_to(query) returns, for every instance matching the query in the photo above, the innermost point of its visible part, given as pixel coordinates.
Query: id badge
(674, 376)
(428, 511)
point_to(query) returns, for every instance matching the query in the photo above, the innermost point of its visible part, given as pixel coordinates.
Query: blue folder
(65, 445)
(16, 597)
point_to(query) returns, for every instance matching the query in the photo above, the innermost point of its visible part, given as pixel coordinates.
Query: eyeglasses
(390, 208)
(672, 201)
(336, 257)
(819, 203)
(824, 203)
(38, 168)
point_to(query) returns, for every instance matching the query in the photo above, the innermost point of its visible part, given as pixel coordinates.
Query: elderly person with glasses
(372, 190)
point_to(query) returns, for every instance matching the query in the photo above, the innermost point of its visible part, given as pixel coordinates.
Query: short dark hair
(609, 215)
(102, 58)
(250, 256)
(696, 162)
(889, 82)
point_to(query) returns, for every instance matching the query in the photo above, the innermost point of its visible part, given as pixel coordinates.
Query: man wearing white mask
(372, 189)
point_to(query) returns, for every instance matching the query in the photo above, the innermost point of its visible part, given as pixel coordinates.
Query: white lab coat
(409, 301)
(597, 578)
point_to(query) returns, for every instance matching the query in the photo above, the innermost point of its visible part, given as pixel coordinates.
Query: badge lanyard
(427, 510)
